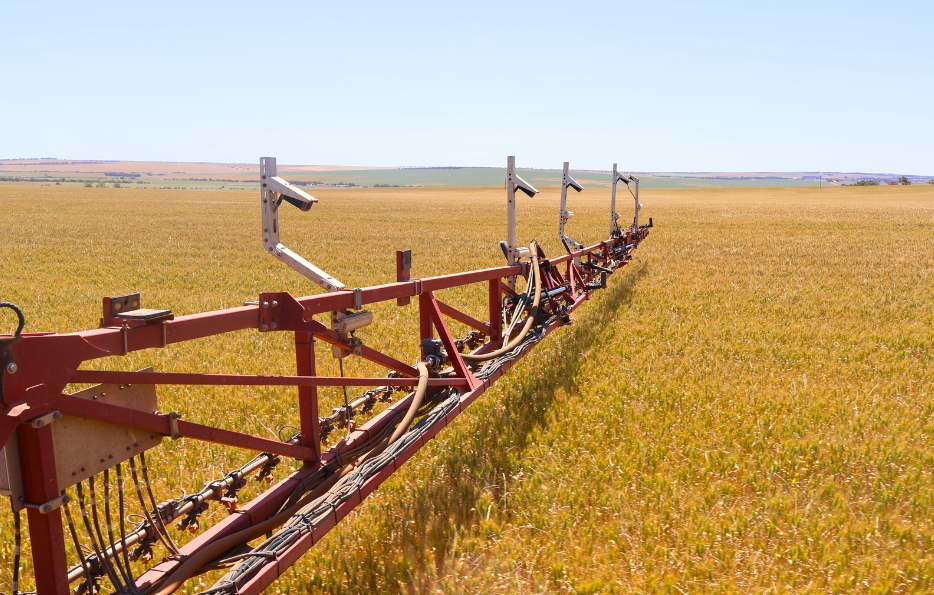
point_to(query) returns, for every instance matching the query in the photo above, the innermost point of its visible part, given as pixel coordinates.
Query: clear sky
(653, 85)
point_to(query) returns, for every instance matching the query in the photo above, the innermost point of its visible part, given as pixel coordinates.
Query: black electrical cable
(89, 577)
(155, 507)
(157, 529)
(124, 571)
(122, 513)
(19, 316)
(17, 544)
(97, 543)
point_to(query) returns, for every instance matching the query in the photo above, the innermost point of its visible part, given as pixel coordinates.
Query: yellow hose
(416, 402)
(537, 280)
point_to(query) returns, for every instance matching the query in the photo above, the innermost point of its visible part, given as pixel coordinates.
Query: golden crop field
(746, 409)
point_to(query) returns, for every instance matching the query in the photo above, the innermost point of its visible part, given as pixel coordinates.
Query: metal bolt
(11, 368)
(275, 304)
(274, 325)
(39, 423)
(265, 327)
(265, 304)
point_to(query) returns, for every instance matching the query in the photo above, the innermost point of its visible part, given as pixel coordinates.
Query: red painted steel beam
(307, 395)
(428, 303)
(160, 424)
(496, 310)
(464, 318)
(207, 324)
(178, 378)
(40, 485)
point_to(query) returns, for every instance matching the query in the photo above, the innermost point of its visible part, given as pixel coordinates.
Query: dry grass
(746, 409)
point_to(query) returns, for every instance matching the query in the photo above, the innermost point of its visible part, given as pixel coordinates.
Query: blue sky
(655, 86)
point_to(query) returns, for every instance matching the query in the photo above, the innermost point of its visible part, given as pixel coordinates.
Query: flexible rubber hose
(537, 280)
(416, 402)
(190, 566)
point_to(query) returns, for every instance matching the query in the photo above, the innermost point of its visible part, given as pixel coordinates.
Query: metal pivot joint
(274, 190)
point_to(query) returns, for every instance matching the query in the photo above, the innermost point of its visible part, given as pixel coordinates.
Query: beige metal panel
(11, 479)
(85, 447)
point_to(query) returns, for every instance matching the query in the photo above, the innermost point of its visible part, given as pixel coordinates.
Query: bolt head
(265, 304)
(275, 304)
(275, 325)
(265, 327)
(11, 368)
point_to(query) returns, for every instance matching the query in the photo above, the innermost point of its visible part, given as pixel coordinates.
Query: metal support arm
(614, 216)
(565, 214)
(513, 182)
(274, 190)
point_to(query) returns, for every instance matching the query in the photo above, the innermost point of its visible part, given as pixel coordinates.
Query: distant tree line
(903, 180)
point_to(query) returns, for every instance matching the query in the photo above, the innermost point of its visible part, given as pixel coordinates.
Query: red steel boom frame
(37, 367)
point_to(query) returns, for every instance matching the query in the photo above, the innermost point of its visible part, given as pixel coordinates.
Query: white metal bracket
(513, 182)
(614, 216)
(274, 190)
(565, 215)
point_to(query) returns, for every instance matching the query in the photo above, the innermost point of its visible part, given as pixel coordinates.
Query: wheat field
(746, 409)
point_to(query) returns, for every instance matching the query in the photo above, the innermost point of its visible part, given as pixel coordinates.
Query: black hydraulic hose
(19, 316)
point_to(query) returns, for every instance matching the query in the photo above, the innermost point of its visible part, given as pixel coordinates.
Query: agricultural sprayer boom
(77, 463)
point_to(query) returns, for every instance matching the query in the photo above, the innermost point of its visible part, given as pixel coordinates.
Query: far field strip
(241, 176)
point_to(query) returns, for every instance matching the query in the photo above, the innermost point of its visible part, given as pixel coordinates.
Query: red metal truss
(45, 363)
